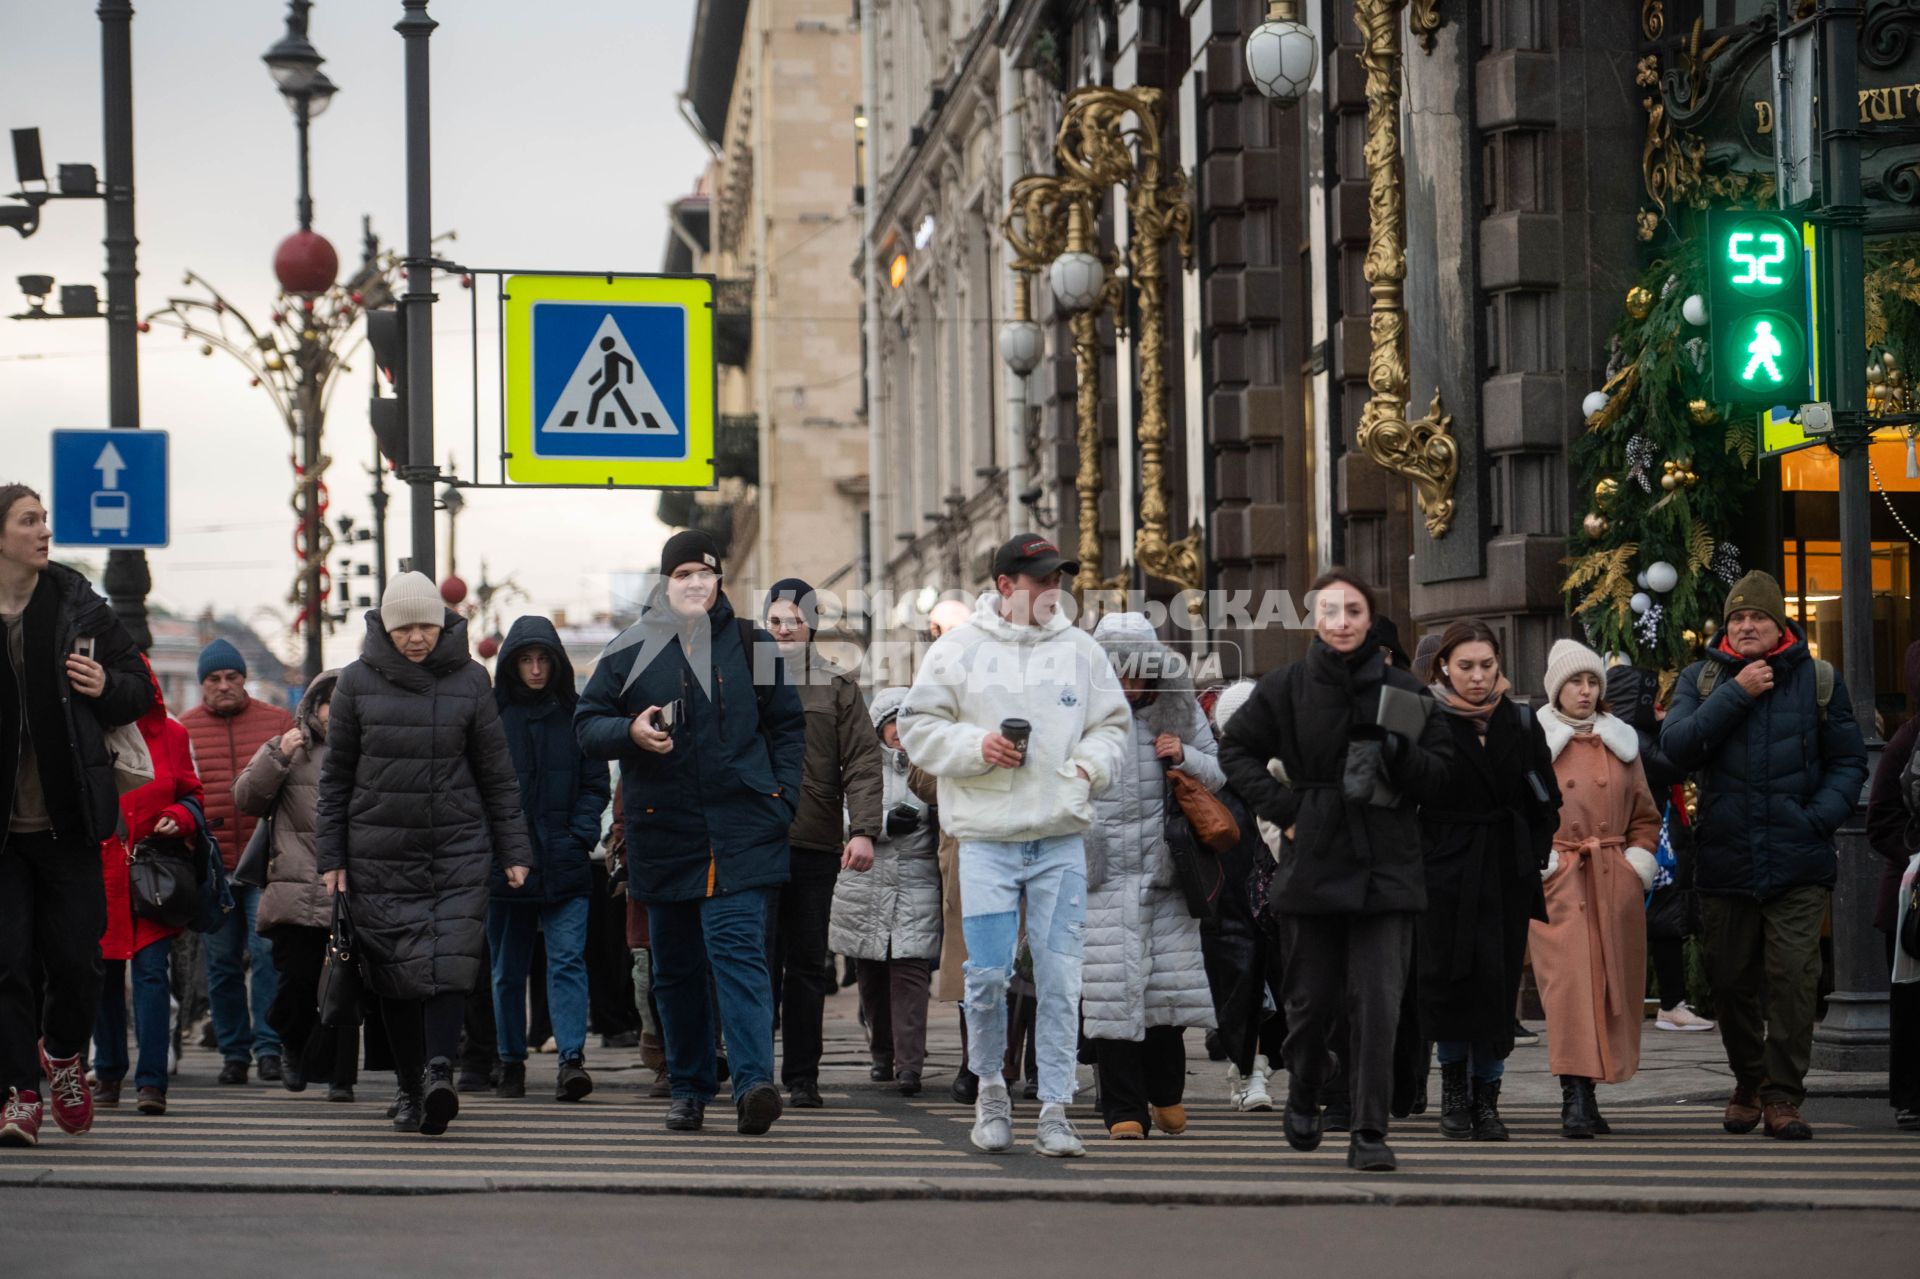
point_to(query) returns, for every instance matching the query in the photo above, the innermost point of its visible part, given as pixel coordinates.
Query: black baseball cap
(1033, 555)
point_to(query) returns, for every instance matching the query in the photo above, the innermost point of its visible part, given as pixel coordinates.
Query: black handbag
(1196, 868)
(252, 868)
(162, 880)
(340, 975)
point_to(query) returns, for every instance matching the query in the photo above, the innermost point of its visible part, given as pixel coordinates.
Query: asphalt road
(113, 1234)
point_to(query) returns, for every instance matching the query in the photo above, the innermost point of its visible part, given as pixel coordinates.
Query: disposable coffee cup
(1017, 731)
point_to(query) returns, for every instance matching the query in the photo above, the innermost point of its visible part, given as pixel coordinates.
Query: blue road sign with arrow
(110, 488)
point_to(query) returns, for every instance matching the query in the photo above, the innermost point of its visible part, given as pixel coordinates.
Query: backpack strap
(1822, 687)
(1709, 676)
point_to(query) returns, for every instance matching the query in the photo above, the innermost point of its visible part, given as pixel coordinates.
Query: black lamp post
(295, 65)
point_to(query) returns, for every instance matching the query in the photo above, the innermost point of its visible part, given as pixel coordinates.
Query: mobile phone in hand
(667, 716)
(83, 647)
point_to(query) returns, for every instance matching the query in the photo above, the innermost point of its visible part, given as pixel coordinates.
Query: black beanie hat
(689, 546)
(792, 588)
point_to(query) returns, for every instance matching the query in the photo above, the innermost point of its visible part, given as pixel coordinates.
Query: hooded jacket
(69, 732)
(562, 793)
(987, 670)
(1777, 778)
(222, 746)
(840, 785)
(892, 911)
(710, 816)
(1144, 965)
(289, 788)
(417, 803)
(141, 809)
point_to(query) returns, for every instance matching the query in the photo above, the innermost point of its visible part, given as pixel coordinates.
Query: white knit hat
(1566, 659)
(412, 600)
(1231, 699)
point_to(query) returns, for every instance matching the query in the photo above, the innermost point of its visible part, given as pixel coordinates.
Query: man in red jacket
(227, 728)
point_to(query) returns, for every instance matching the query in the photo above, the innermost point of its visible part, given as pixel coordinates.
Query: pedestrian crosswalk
(871, 1142)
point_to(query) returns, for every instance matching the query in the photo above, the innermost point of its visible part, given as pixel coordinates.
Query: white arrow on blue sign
(110, 488)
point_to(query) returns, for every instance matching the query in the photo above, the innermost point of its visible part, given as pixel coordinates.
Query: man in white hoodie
(1020, 816)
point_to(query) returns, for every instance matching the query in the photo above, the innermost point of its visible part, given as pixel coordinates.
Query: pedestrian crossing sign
(609, 380)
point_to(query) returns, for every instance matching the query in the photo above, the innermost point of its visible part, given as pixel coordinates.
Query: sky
(557, 144)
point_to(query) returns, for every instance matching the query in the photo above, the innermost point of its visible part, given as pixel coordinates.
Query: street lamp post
(415, 28)
(295, 65)
(127, 578)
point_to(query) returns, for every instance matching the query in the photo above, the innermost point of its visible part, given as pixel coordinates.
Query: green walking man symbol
(1765, 349)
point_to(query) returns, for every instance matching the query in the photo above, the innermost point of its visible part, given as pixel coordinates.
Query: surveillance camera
(1031, 497)
(23, 218)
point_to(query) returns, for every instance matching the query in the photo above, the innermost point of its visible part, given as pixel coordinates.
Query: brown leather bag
(1212, 822)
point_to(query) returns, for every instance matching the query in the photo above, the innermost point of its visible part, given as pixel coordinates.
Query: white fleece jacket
(1054, 676)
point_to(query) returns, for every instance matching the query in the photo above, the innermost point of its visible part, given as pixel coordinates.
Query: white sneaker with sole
(993, 1119)
(1681, 1017)
(1255, 1096)
(1055, 1137)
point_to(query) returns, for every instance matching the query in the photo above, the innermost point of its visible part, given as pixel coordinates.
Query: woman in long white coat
(1145, 979)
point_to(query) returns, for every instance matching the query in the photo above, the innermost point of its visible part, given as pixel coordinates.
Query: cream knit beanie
(1231, 699)
(412, 600)
(1566, 659)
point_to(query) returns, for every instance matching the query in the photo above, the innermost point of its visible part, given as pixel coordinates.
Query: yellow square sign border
(694, 294)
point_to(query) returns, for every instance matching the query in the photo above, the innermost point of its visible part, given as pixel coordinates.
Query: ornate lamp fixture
(1282, 54)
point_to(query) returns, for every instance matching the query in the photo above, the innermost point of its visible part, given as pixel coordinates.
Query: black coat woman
(417, 804)
(1484, 846)
(1350, 881)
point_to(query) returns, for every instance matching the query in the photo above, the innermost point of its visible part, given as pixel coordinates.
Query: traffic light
(1760, 298)
(387, 336)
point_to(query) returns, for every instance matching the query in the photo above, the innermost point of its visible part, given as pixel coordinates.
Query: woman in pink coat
(1590, 956)
(131, 942)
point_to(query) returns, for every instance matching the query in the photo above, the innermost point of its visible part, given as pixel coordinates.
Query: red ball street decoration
(305, 263)
(453, 590)
(489, 647)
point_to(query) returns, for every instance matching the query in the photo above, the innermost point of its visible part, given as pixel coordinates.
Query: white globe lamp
(1282, 54)
(1021, 346)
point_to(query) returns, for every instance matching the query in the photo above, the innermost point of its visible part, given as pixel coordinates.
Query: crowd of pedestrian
(1339, 873)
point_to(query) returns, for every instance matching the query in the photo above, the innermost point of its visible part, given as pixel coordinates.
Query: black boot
(1456, 1101)
(407, 1111)
(965, 1088)
(442, 1100)
(1486, 1111)
(1369, 1152)
(1302, 1121)
(1576, 1107)
(1600, 1125)
(513, 1079)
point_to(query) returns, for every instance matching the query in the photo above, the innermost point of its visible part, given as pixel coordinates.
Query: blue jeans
(715, 946)
(510, 933)
(240, 1033)
(152, 1013)
(1449, 1051)
(1051, 874)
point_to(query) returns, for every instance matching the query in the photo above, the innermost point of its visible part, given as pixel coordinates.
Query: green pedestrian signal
(1761, 309)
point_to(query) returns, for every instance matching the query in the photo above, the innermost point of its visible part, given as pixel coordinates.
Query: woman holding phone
(417, 803)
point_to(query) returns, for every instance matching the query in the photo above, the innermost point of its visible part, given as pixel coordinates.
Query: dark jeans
(1763, 959)
(807, 976)
(610, 993)
(1354, 965)
(1138, 1073)
(239, 1018)
(894, 993)
(708, 951)
(419, 1030)
(323, 1054)
(1669, 958)
(478, 1049)
(152, 1008)
(53, 909)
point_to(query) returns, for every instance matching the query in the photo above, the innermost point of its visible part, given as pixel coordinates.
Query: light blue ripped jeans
(1052, 876)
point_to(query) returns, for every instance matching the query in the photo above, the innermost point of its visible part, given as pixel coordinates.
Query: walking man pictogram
(608, 381)
(1765, 349)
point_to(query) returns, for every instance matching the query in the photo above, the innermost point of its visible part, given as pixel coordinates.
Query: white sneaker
(1681, 1017)
(1055, 1137)
(1236, 1085)
(993, 1119)
(1255, 1096)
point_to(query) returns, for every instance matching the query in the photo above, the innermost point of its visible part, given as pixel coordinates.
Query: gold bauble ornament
(1691, 638)
(1701, 413)
(1604, 491)
(1670, 481)
(1876, 374)
(1639, 302)
(1595, 524)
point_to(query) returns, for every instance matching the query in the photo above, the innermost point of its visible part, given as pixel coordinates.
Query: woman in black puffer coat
(417, 802)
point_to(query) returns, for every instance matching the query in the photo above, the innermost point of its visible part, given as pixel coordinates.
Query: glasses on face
(695, 577)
